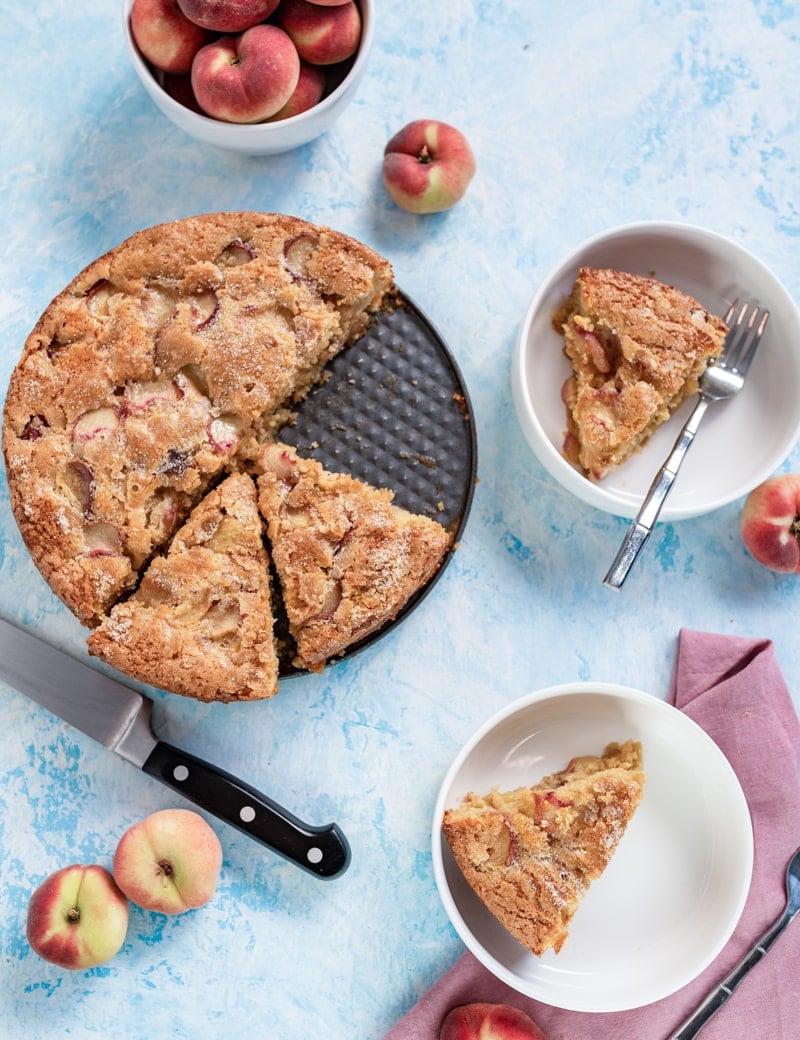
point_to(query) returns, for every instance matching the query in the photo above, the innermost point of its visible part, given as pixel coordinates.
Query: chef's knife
(118, 716)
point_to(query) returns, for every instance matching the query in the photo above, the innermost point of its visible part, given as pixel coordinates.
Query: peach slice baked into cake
(530, 854)
(637, 349)
(201, 621)
(166, 362)
(347, 558)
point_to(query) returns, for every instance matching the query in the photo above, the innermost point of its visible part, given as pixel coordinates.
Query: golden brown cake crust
(348, 559)
(201, 622)
(531, 854)
(162, 363)
(637, 349)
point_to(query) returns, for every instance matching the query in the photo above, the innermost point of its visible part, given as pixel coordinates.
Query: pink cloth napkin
(734, 689)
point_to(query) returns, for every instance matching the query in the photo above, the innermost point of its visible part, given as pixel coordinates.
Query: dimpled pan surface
(394, 411)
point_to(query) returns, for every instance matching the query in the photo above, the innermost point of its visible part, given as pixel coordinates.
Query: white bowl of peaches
(258, 77)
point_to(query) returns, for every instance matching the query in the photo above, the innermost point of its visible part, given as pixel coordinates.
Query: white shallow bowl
(258, 138)
(676, 886)
(740, 443)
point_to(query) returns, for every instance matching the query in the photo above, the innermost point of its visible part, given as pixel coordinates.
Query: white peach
(323, 35)
(489, 1022)
(247, 78)
(165, 36)
(169, 862)
(227, 16)
(770, 523)
(77, 917)
(308, 92)
(427, 166)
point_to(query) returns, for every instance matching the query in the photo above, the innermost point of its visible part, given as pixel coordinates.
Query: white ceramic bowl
(258, 138)
(676, 886)
(740, 443)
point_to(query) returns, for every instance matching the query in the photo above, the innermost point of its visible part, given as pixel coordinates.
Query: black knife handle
(322, 851)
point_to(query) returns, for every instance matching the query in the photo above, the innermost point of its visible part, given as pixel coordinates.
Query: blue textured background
(582, 116)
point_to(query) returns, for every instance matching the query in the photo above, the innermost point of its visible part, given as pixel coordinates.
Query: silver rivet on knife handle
(323, 851)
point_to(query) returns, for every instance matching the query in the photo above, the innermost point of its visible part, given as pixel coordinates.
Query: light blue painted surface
(582, 116)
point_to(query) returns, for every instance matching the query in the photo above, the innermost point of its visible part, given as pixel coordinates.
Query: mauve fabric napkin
(734, 689)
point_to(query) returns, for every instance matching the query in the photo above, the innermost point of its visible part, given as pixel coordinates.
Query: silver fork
(722, 379)
(717, 997)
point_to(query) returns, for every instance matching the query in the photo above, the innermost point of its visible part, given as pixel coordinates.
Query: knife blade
(119, 717)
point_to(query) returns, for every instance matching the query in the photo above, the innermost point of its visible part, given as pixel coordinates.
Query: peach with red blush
(770, 523)
(323, 35)
(228, 16)
(165, 36)
(427, 166)
(247, 78)
(483, 1021)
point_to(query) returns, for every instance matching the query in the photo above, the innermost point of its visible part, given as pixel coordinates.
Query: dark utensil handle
(717, 997)
(322, 851)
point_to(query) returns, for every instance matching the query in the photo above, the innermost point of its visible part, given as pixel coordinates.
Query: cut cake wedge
(348, 559)
(201, 622)
(530, 854)
(637, 349)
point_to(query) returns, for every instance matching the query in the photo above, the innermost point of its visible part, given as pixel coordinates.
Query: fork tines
(746, 323)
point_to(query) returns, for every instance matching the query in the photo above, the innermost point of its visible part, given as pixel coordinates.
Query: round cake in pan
(161, 369)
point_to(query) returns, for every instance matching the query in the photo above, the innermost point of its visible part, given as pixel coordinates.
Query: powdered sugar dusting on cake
(546, 843)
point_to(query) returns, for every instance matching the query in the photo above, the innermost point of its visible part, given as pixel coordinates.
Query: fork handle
(691, 1026)
(641, 528)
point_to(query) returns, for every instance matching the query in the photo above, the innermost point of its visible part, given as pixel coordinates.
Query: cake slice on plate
(201, 621)
(348, 559)
(637, 349)
(530, 854)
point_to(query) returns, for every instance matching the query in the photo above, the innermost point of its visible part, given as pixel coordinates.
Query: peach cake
(530, 854)
(162, 368)
(348, 559)
(637, 348)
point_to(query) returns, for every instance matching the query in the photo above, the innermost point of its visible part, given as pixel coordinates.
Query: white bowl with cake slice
(594, 373)
(598, 821)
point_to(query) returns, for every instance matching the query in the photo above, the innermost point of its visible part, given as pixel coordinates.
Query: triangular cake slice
(637, 349)
(530, 854)
(348, 559)
(201, 621)
(159, 367)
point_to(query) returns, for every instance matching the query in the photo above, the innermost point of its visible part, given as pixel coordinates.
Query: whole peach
(489, 1022)
(323, 34)
(770, 523)
(247, 78)
(427, 166)
(308, 92)
(77, 917)
(227, 16)
(165, 36)
(168, 862)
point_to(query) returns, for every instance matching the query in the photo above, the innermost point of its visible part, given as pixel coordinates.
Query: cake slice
(637, 349)
(530, 854)
(347, 558)
(201, 622)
